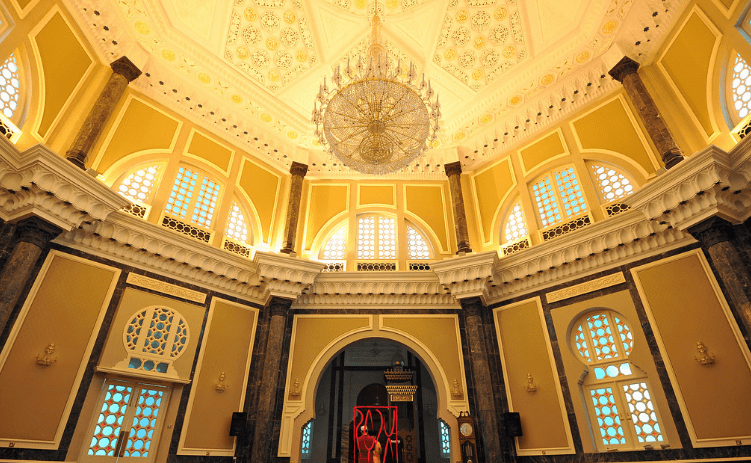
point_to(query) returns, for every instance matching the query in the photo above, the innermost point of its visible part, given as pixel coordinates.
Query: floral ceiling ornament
(376, 119)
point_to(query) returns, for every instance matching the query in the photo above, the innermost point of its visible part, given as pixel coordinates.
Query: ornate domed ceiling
(249, 70)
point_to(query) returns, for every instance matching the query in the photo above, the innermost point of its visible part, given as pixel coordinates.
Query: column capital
(472, 306)
(125, 68)
(298, 168)
(36, 231)
(453, 168)
(623, 68)
(712, 231)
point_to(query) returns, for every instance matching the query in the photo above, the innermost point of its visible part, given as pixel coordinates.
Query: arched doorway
(355, 377)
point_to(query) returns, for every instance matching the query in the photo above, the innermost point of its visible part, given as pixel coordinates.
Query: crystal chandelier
(377, 119)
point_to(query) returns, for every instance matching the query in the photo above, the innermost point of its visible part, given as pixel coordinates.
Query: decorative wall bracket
(703, 355)
(47, 359)
(220, 385)
(530, 387)
(456, 392)
(296, 391)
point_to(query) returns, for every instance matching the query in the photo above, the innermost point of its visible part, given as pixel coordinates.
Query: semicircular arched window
(619, 404)
(154, 338)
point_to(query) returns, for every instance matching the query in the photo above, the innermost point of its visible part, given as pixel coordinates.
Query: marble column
(454, 173)
(298, 172)
(32, 236)
(626, 73)
(264, 410)
(123, 72)
(715, 235)
(485, 412)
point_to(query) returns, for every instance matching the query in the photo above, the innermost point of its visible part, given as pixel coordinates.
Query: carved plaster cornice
(387, 290)
(285, 276)
(38, 182)
(469, 275)
(710, 183)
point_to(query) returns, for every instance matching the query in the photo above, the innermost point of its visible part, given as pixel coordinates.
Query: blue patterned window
(445, 439)
(182, 192)
(558, 196)
(206, 203)
(194, 192)
(307, 437)
(547, 205)
(571, 194)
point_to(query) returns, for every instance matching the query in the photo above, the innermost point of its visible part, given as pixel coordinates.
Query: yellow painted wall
(227, 345)
(142, 127)
(377, 195)
(491, 186)
(686, 310)
(208, 149)
(33, 397)
(133, 301)
(610, 128)
(542, 150)
(425, 329)
(324, 202)
(687, 63)
(525, 351)
(574, 367)
(429, 203)
(312, 335)
(64, 64)
(263, 189)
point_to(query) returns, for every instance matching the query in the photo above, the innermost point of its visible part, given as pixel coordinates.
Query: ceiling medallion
(376, 120)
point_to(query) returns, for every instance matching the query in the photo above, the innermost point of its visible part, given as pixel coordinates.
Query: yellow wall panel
(428, 203)
(140, 128)
(133, 301)
(209, 150)
(64, 64)
(490, 187)
(227, 348)
(542, 150)
(324, 203)
(33, 398)
(312, 335)
(686, 310)
(610, 128)
(262, 188)
(525, 351)
(374, 195)
(687, 63)
(23, 3)
(423, 328)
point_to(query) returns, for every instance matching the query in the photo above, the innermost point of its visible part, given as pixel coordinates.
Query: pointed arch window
(621, 409)
(307, 440)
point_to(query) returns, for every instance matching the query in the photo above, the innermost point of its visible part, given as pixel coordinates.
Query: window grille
(307, 437)
(194, 192)
(376, 237)
(139, 186)
(417, 247)
(445, 439)
(515, 227)
(336, 247)
(10, 86)
(611, 183)
(740, 83)
(237, 227)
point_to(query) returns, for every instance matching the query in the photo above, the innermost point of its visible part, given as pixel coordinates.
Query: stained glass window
(307, 437)
(643, 413)
(128, 420)
(10, 86)
(237, 227)
(154, 338)
(139, 185)
(612, 184)
(606, 411)
(445, 439)
(417, 247)
(741, 87)
(515, 227)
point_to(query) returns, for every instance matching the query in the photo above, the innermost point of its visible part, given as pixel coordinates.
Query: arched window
(10, 87)
(376, 237)
(417, 245)
(740, 89)
(621, 410)
(237, 226)
(335, 248)
(612, 185)
(139, 187)
(514, 232)
(558, 196)
(194, 197)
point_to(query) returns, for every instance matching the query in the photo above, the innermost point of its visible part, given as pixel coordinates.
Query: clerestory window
(194, 196)
(558, 196)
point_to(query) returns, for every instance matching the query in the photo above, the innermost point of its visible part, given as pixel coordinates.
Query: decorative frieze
(166, 288)
(587, 287)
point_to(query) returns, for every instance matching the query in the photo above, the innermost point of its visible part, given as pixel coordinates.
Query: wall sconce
(530, 387)
(47, 359)
(220, 385)
(703, 355)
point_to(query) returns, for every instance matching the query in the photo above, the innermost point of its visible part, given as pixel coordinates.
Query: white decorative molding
(38, 182)
(710, 183)
(166, 288)
(587, 287)
(469, 275)
(388, 290)
(285, 276)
